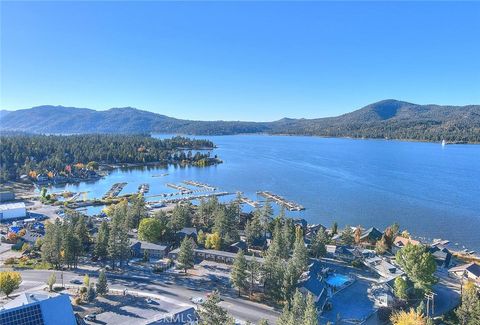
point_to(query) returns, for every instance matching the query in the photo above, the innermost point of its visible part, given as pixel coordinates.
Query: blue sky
(238, 61)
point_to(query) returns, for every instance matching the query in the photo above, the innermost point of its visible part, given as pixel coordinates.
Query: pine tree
(90, 294)
(211, 313)
(239, 272)
(347, 236)
(186, 256)
(300, 253)
(101, 243)
(102, 285)
(118, 242)
(310, 316)
(253, 273)
(290, 279)
(52, 244)
(52, 279)
(418, 264)
(317, 247)
(468, 313)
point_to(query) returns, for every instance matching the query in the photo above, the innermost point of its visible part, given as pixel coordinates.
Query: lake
(432, 191)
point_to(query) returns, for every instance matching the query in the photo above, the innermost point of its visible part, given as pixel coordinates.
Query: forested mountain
(384, 119)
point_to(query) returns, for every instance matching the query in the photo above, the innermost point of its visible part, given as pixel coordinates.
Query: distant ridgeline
(388, 119)
(32, 155)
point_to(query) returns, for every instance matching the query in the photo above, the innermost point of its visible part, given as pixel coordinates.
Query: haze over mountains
(385, 119)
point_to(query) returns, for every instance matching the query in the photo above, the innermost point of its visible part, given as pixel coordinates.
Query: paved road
(172, 286)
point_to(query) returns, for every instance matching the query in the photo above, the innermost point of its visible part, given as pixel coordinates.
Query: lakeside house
(213, 255)
(443, 257)
(341, 252)
(370, 236)
(386, 270)
(470, 271)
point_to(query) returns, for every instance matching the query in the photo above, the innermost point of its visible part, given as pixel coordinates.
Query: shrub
(77, 301)
(10, 261)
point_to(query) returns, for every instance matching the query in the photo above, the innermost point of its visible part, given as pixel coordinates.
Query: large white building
(10, 211)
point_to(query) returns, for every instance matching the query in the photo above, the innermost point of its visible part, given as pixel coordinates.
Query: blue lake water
(432, 191)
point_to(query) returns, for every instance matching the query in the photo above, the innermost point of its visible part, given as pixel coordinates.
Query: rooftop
(10, 206)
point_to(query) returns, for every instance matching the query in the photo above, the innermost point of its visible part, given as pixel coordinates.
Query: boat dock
(289, 205)
(246, 200)
(183, 189)
(202, 185)
(187, 198)
(114, 190)
(161, 175)
(144, 188)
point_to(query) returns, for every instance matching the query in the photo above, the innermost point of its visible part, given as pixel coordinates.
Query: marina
(154, 204)
(144, 188)
(114, 190)
(183, 189)
(252, 203)
(289, 205)
(201, 185)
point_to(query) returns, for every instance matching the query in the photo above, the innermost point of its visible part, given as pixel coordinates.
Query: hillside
(384, 119)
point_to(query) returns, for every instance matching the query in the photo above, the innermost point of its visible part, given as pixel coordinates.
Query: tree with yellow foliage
(213, 241)
(9, 282)
(411, 317)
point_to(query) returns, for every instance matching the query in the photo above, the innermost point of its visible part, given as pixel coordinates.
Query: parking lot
(129, 309)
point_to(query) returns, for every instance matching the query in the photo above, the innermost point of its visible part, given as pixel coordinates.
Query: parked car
(90, 317)
(76, 281)
(197, 300)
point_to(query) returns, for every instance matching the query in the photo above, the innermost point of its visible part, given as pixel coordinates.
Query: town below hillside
(215, 263)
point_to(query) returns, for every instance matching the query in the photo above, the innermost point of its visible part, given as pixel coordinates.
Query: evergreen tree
(81, 232)
(418, 264)
(136, 211)
(381, 246)
(102, 285)
(211, 313)
(266, 216)
(180, 217)
(91, 294)
(101, 243)
(72, 246)
(300, 253)
(253, 229)
(239, 276)
(186, 256)
(118, 242)
(52, 244)
(310, 316)
(290, 279)
(254, 268)
(317, 247)
(52, 279)
(347, 236)
(334, 228)
(468, 313)
(400, 288)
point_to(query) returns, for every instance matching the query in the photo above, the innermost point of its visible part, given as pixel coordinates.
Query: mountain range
(390, 119)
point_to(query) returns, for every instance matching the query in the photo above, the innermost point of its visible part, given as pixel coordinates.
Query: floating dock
(114, 190)
(144, 188)
(161, 175)
(201, 185)
(289, 205)
(246, 200)
(183, 189)
(187, 198)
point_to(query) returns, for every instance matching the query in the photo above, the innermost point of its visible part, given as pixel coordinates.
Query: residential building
(340, 252)
(470, 271)
(443, 257)
(383, 268)
(213, 255)
(187, 232)
(38, 308)
(371, 236)
(139, 248)
(312, 282)
(6, 196)
(12, 211)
